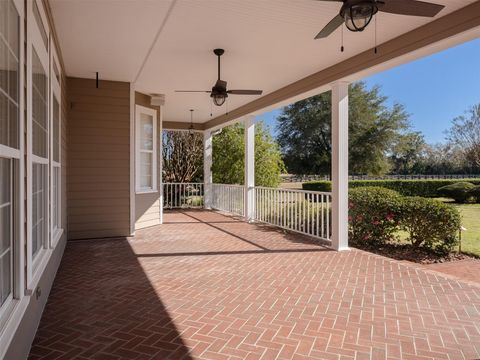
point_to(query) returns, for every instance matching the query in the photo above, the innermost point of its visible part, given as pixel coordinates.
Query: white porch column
(340, 165)
(207, 169)
(160, 164)
(249, 178)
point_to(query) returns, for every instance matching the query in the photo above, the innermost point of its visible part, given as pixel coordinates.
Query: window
(38, 142)
(146, 149)
(55, 160)
(10, 154)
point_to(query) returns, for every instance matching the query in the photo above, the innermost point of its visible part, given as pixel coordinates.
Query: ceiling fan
(219, 92)
(357, 14)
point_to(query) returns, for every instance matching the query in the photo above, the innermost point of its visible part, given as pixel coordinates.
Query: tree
(305, 132)
(440, 159)
(465, 133)
(229, 151)
(182, 156)
(406, 152)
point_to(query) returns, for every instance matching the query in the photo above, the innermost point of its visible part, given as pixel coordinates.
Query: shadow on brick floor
(102, 306)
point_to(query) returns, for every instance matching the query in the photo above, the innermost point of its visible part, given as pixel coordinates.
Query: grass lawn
(470, 221)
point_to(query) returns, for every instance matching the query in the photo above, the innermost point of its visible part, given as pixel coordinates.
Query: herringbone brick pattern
(206, 286)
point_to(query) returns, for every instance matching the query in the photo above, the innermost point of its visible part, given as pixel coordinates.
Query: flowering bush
(374, 215)
(430, 223)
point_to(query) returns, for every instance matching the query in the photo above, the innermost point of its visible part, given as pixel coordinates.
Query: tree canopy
(182, 156)
(304, 132)
(228, 156)
(465, 133)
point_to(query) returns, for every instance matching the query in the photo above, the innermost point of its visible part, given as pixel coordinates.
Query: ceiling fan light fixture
(219, 99)
(358, 15)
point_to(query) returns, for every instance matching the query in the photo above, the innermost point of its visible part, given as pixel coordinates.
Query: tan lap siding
(99, 152)
(147, 206)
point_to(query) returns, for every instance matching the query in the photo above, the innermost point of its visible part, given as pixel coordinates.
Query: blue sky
(434, 89)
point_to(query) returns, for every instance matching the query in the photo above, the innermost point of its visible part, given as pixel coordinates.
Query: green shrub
(374, 215)
(424, 188)
(430, 223)
(460, 191)
(475, 193)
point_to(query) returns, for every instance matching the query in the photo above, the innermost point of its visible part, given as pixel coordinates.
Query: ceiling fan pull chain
(342, 48)
(226, 107)
(375, 34)
(211, 109)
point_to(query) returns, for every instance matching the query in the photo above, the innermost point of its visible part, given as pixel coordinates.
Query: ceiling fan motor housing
(358, 13)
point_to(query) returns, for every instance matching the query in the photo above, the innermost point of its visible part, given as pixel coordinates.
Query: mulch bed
(407, 252)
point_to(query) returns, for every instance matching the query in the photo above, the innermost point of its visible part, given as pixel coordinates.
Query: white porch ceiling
(166, 45)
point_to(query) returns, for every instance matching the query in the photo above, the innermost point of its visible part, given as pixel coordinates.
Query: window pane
(39, 206)
(56, 198)
(5, 230)
(4, 52)
(5, 276)
(13, 29)
(38, 19)
(39, 107)
(146, 170)
(4, 128)
(146, 132)
(56, 130)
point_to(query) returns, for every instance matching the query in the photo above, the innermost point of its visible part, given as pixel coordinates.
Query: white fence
(228, 198)
(306, 212)
(183, 195)
(304, 178)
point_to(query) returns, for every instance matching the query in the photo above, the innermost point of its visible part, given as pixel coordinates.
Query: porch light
(219, 99)
(359, 15)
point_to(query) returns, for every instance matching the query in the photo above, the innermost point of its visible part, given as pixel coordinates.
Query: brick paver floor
(207, 286)
(468, 270)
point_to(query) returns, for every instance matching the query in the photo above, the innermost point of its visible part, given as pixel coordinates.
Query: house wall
(99, 159)
(147, 205)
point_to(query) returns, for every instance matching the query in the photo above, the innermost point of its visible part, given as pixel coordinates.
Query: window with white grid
(146, 149)
(9, 143)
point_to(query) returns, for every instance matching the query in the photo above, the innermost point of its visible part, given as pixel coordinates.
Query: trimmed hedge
(377, 214)
(430, 223)
(461, 192)
(423, 188)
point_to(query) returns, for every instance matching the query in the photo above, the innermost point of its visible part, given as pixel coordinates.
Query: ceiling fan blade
(245, 92)
(409, 7)
(336, 22)
(194, 91)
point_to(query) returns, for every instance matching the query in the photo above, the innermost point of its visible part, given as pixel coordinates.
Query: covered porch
(209, 286)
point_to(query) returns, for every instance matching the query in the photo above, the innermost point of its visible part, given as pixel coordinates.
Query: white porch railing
(183, 195)
(306, 212)
(228, 198)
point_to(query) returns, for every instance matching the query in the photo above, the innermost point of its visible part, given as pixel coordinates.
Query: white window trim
(152, 112)
(35, 266)
(55, 92)
(14, 307)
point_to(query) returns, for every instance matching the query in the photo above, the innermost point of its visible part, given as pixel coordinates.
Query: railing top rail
(183, 183)
(229, 185)
(295, 190)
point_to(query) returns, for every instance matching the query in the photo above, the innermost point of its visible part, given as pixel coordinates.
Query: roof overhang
(161, 46)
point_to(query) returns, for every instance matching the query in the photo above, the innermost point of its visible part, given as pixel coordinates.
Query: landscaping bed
(404, 251)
